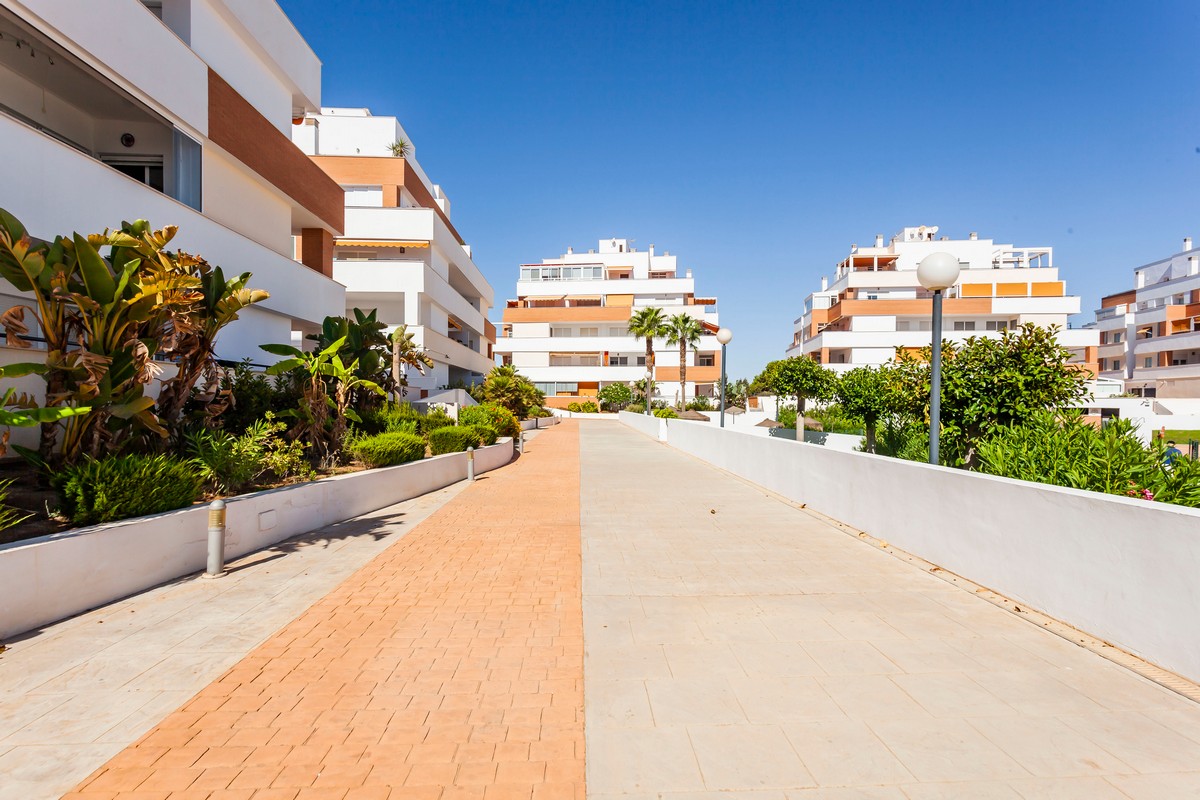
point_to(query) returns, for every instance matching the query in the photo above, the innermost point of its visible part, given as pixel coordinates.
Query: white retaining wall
(538, 422)
(54, 577)
(1121, 569)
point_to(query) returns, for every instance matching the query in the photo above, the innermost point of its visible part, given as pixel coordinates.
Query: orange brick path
(449, 668)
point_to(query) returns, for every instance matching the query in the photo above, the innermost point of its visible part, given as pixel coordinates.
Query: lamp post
(649, 377)
(724, 336)
(936, 272)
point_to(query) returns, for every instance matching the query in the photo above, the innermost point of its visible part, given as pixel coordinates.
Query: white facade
(400, 253)
(568, 329)
(1150, 335)
(98, 130)
(874, 303)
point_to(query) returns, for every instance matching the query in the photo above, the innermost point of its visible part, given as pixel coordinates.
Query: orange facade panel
(1121, 298)
(694, 374)
(574, 314)
(976, 290)
(1048, 289)
(952, 305)
(619, 299)
(1012, 290)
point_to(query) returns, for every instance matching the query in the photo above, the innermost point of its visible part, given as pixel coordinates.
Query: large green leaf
(96, 277)
(282, 350)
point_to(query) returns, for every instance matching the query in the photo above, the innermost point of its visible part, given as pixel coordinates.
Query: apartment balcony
(1164, 373)
(1177, 341)
(446, 350)
(397, 278)
(298, 293)
(583, 374)
(422, 225)
(603, 286)
(1072, 337)
(543, 344)
(1114, 350)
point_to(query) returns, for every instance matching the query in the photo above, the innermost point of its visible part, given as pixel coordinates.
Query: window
(143, 169)
(370, 196)
(996, 325)
(186, 153)
(1148, 362)
(557, 332)
(641, 361)
(618, 361)
(964, 325)
(1116, 337)
(618, 331)
(706, 360)
(589, 331)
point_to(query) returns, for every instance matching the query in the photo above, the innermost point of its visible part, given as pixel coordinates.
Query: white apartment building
(1150, 334)
(400, 253)
(568, 328)
(177, 112)
(874, 303)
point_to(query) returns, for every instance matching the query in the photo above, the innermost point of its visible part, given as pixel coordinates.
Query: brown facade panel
(315, 250)
(237, 127)
(387, 171)
(1121, 298)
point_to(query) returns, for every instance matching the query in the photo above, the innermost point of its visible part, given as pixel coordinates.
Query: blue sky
(757, 141)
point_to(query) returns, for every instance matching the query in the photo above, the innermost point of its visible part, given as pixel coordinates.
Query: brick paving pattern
(448, 668)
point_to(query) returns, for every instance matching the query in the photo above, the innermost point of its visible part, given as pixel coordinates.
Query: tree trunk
(649, 367)
(682, 375)
(800, 404)
(870, 437)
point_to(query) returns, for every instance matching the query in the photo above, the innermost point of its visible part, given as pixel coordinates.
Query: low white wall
(54, 577)
(1119, 568)
(643, 423)
(535, 423)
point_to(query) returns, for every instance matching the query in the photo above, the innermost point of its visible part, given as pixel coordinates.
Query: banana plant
(322, 369)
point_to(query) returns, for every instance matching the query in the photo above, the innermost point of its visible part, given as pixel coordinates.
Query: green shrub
(615, 396)
(665, 413)
(121, 487)
(390, 418)
(700, 404)
(452, 439)
(487, 434)
(589, 408)
(786, 417)
(538, 412)
(497, 417)
(574, 408)
(227, 462)
(435, 418)
(9, 516)
(834, 420)
(388, 449)
(636, 408)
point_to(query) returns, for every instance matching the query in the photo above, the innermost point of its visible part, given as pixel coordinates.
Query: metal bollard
(216, 539)
(521, 442)
(470, 463)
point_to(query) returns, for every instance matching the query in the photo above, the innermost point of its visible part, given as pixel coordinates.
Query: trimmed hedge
(121, 487)
(574, 408)
(452, 439)
(503, 421)
(487, 434)
(636, 408)
(665, 413)
(388, 449)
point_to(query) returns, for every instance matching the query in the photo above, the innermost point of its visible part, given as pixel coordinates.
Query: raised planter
(538, 422)
(53, 577)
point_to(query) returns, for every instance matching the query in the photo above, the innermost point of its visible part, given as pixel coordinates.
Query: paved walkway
(738, 644)
(75, 694)
(449, 667)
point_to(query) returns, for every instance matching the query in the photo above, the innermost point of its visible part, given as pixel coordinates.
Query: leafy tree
(505, 387)
(406, 353)
(867, 393)
(649, 324)
(615, 396)
(683, 330)
(798, 377)
(989, 382)
(364, 344)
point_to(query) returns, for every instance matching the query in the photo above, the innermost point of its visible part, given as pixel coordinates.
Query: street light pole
(936, 272)
(649, 377)
(724, 336)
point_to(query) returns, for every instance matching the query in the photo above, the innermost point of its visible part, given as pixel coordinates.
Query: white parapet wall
(53, 577)
(1121, 569)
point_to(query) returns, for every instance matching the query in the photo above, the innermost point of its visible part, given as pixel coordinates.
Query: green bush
(700, 404)
(227, 462)
(9, 516)
(615, 396)
(497, 417)
(589, 408)
(390, 418)
(487, 434)
(121, 487)
(574, 408)
(636, 408)
(786, 417)
(538, 412)
(435, 418)
(834, 420)
(452, 439)
(388, 449)
(1063, 450)
(665, 413)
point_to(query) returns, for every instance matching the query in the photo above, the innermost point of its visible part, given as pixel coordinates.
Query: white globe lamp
(938, 271)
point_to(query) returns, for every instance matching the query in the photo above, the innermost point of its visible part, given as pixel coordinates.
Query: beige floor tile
(1143, 744)
(953, 694)
(626, 662)
(920, 656)
(973, 790)
(1067, 789)
(618, 704)
(747, 757)
(631, 761)
(845, 752)
(871, 697)
(700, 660)
(707, 700)
(850, 658)
(865, 793)
(776, 659)
(783, 699)
(1048, 748)
(946, 750)
(1178, 786)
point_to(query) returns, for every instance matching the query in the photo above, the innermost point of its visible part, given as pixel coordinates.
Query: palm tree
(405, 352)
(684, 331)
(648, 324)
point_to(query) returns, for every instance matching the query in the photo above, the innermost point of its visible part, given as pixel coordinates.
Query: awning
(377, 243)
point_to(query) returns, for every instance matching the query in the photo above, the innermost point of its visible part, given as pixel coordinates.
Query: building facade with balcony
(568, 328)
(874, 303)
(190, 127)
(400, 253)
(1150, 334)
